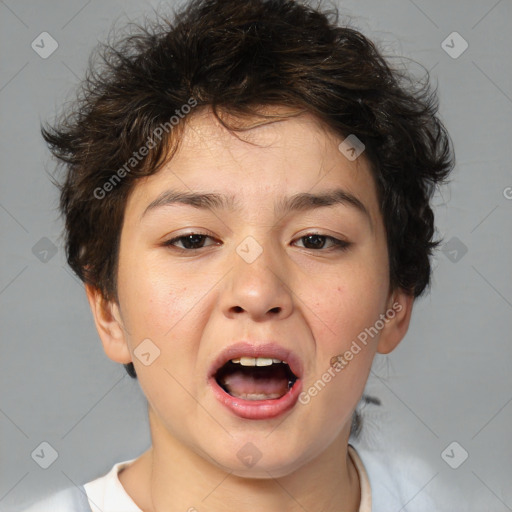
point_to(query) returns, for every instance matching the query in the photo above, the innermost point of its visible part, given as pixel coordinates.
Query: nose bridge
(257, 283)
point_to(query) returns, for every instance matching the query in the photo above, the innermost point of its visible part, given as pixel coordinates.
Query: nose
(257, 289)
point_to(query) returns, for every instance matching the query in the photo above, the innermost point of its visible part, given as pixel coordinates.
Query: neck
(171, 477)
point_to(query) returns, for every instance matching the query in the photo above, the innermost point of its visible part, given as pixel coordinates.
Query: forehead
(299, 138)
(262, 160)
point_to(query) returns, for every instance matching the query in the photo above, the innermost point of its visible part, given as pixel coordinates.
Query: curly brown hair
(236, 57)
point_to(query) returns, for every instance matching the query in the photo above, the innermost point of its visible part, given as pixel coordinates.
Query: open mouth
(255, 378)
(256, 382)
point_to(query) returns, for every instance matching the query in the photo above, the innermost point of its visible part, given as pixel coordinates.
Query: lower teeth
(259, 396)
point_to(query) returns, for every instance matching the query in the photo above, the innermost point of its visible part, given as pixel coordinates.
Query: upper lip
(248, 349)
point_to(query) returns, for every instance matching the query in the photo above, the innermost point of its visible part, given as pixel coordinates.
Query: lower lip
(257, 409)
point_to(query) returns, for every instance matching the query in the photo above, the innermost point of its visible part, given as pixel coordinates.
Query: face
(260, 275)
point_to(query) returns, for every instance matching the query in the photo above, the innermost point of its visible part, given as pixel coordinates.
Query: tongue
(257, 385)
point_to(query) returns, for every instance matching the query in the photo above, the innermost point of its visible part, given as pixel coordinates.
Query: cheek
(164, 308)
(156, 298)
(338, 321)
(341, 311)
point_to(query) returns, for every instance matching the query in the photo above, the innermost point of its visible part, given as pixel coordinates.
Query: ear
(109, 325)
(398, 313)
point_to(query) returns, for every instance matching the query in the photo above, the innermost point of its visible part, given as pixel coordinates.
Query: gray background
(450, 378)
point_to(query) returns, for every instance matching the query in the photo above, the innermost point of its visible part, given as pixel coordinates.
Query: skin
(193, 304)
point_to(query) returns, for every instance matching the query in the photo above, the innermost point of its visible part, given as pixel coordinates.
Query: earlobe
(109, 325)
(398, 315)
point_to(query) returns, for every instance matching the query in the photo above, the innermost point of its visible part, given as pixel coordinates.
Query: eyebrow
(303, 201)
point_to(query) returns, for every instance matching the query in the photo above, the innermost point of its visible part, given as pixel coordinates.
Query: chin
(251, 456)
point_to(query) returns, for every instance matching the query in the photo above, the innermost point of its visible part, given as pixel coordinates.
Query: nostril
(239, 309)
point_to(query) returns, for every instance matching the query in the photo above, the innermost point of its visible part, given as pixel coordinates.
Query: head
(263, 128)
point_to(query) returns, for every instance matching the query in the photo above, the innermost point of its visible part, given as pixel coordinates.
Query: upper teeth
(256, 361)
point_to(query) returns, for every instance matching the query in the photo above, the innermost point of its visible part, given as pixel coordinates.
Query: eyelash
(338, 245)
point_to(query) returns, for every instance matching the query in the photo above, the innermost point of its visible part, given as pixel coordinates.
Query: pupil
(317, 240)
(191, 240)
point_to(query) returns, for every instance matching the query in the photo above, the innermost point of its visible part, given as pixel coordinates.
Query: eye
(316, 241)
(190, 241)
